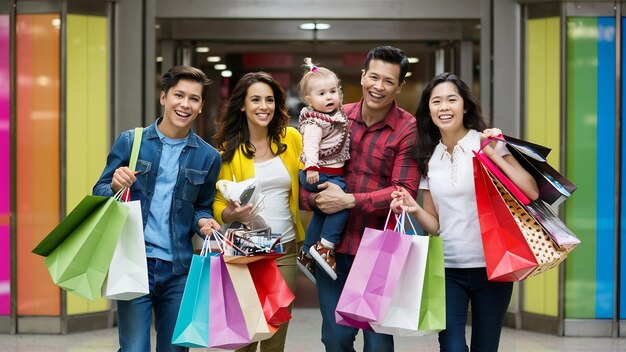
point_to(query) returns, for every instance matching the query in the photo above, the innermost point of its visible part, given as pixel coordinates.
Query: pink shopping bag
(227, 324)
(373, 278)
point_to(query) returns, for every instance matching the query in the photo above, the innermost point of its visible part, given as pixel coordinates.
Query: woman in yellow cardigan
(255, 141)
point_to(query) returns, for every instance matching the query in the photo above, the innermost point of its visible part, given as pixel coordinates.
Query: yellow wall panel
(552, 135)
(86, 123)
(543, 127)
(98, 111)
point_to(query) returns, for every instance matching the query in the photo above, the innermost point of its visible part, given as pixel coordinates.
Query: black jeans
(489, 302)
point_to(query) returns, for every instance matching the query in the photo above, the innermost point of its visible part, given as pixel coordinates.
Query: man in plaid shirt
(381, 137)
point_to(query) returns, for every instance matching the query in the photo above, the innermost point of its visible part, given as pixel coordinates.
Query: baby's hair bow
(308, 63)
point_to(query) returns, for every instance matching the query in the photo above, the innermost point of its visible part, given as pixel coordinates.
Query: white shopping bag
(128, 273)
(402, 318)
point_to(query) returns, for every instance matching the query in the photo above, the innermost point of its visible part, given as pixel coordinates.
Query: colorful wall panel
(38, 169)
(590, 150)
(622, 314)
(540, 293)
(5, 169)
(87, 119)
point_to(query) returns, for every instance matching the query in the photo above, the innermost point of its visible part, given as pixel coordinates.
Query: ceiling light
(219, 67)
(322, 26)
(213, 59)
(413, 60)
(159, 59)
(309, 26)
(202, 49)
(227, 73)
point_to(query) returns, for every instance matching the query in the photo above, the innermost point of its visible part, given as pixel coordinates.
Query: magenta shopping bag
(372, 280)
(227, 324)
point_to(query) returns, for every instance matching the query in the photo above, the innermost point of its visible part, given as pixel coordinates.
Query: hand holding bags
(227, 324)
(515, 244)
(553, 187)
(128, 273)
(371, 283)
(210, 314)
(192, 324)
(222, 307)
(493, 169)
(79, 250)
(507, 255)
(418, 306)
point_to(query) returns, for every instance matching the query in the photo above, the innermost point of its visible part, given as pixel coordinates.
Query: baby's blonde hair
(312, 72)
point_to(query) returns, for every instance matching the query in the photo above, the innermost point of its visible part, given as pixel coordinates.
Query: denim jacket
(194, 192)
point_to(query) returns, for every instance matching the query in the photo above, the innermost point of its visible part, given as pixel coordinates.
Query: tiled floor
(304, 336)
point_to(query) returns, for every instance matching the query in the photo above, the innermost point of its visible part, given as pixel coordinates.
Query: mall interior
(75, 73)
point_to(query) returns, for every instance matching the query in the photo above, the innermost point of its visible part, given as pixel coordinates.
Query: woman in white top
(449, 119)
(255, 140)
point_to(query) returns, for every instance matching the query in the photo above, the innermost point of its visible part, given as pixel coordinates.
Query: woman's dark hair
(176, 73)
(428, 134)
(233, 124)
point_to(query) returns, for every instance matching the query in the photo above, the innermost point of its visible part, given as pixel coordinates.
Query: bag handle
(388, 217)
(400, 223)
(205, 245)
(134, 153)
(483, 144)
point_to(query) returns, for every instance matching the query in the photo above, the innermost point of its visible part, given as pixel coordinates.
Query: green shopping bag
(433, 305)
(79, 250)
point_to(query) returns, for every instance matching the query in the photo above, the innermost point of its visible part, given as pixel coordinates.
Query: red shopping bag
(373, 278)
(507, 254)
(258, 328)
(273, 292)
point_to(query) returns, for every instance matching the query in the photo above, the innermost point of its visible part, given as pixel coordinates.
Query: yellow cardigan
(242, 168)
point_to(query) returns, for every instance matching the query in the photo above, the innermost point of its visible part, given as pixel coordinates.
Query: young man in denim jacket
(175, 182)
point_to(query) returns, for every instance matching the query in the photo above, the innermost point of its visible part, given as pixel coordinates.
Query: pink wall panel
(5, 168)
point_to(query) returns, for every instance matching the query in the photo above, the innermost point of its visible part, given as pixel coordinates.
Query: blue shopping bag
(192, 324)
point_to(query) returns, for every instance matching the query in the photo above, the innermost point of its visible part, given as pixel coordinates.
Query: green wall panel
(580, 210)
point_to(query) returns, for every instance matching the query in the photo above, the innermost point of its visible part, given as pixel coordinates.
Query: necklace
(258, 154)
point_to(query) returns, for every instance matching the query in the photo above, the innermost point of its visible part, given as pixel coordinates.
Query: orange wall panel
(38, 164)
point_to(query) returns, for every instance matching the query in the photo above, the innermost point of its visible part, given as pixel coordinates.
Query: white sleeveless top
(276, 184)
(451, 184)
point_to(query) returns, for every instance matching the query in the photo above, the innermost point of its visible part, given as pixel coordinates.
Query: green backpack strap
(135, 151)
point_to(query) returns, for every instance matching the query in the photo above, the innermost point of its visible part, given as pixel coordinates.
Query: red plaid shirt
(380, 160)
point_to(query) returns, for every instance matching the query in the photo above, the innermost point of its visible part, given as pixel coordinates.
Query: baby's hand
(312, 177)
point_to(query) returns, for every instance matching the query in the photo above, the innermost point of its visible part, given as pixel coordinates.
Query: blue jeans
(489, 301)
(134, 317)
(326, 226)
(340, 338)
